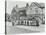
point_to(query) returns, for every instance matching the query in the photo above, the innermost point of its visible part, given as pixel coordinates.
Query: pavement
(33, 28)
(23, 29)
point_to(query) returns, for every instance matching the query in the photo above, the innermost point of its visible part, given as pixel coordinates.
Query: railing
(26, 22)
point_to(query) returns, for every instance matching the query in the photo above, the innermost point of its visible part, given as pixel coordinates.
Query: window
(30, 8)
(22, 12)
(36, 10)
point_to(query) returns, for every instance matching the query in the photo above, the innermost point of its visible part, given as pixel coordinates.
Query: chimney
(16, 6)
(27, 5)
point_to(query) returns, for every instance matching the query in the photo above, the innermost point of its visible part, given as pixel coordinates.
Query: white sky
(11, 4)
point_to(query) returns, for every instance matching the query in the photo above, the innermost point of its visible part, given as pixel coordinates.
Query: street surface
(23, 29)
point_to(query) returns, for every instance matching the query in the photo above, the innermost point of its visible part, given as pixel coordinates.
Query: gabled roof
(32, 4)
(37, 4)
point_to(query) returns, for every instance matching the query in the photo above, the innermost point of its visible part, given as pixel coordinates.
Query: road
(23, 29)
(16, 30)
